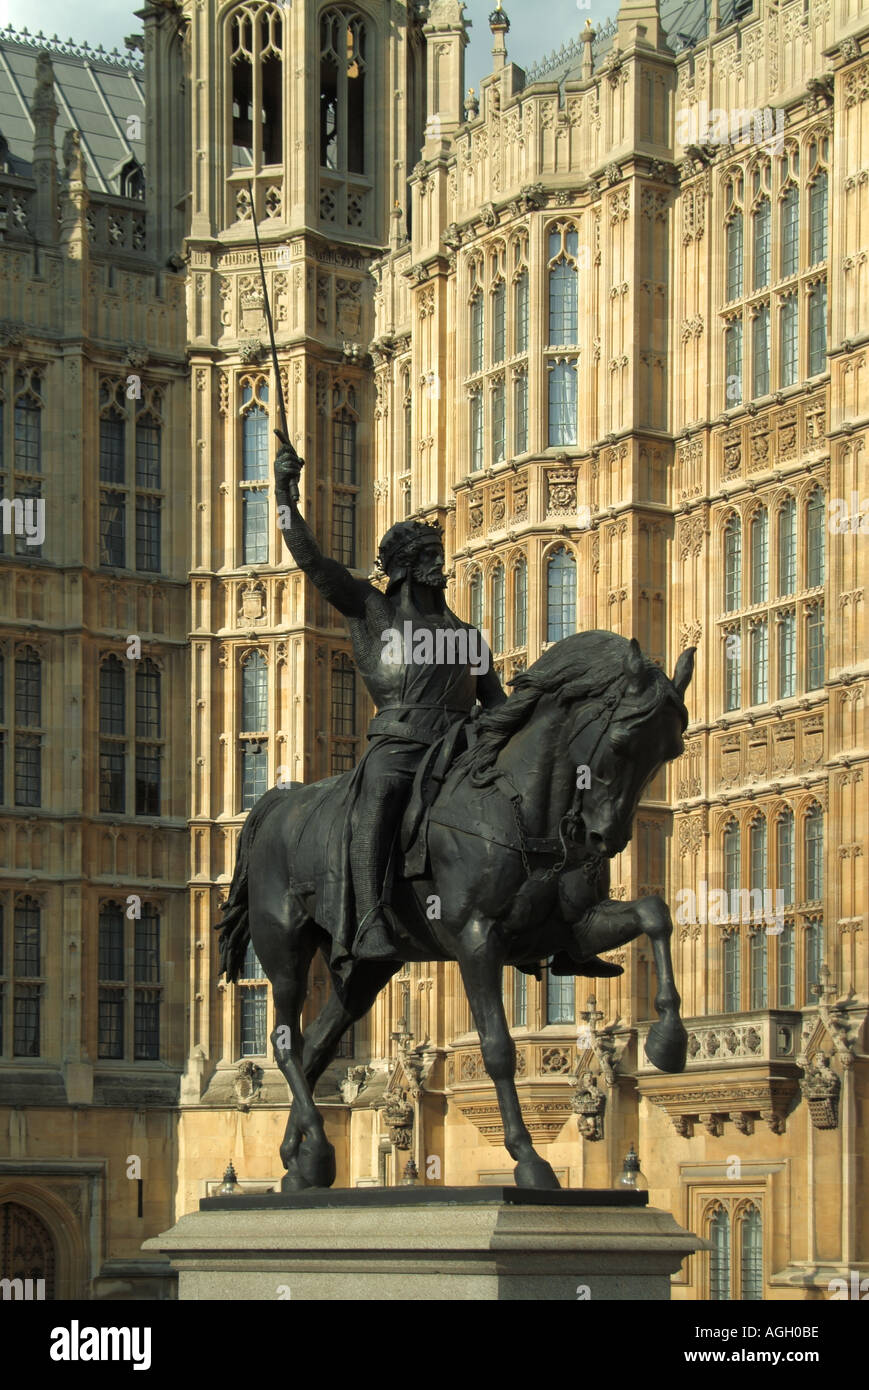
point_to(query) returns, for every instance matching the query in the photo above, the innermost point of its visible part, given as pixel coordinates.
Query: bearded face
(427, 566)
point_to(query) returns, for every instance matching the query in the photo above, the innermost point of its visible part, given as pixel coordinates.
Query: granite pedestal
(426, 1243)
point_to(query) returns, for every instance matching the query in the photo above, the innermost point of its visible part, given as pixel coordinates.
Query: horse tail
(234, 926)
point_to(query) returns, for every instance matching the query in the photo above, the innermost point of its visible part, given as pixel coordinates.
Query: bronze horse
(518, 843)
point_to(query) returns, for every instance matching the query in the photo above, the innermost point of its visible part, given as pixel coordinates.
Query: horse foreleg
(609, 924)
(482, 970)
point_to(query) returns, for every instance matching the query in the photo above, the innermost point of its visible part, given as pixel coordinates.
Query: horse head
(623, 735)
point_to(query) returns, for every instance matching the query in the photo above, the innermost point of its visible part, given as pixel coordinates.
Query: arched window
(761, 247)
(760, 351)
(343, 41)
(757, 850)
(560, 595)
(147, 700)
(407, 403)
(520, 602)
(719, 1257)
(112, 977)
(759, 661)
(520, 999)
(254, 694)
(27, 1251)
(758, 967)
(563, 287)
(734, 252)
(476, 428)
(789, 215)
(131, 181)
(786, 972)
(733, 565)
(751, 1234)
(475, 599)
(813, 832)
(255, 58)
(562, 403)
(520, 411)
(498, 614)
(27, 452)
(560, 998)
(785, 865)
(255, 470)
(787, 547)
(732, 858)
(148, 477)
(760, 556)
(787, 655)
(499, 421)
(814, 948)
(253, 998)
(815, 646)
(815, 538)
(113, 719)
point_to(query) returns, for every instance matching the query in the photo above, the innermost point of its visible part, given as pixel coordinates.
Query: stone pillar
(44, 111)
(446, 39)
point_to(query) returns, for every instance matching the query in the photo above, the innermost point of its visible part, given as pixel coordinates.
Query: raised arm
(333, 580)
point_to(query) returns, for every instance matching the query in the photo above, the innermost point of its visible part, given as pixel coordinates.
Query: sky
(536, 26)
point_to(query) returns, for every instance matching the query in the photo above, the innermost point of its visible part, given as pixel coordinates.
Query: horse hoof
(292, 1181)
(667, 1047)
(536, 1172)
(316, 1167)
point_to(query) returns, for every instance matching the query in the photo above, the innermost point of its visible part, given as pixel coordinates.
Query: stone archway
(27, 1247)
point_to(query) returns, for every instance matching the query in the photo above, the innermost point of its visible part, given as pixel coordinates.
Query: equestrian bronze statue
(477, 828)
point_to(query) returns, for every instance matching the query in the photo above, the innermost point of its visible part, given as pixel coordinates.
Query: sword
(283, 433)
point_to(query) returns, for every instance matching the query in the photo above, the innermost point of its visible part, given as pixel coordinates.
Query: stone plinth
(427, 1243)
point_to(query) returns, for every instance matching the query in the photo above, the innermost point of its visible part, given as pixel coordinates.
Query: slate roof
(683, 21)
(95, 92)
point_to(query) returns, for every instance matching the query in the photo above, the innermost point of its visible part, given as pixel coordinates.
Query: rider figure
(416, 701)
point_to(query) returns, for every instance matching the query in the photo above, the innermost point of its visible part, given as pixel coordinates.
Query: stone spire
(499, 25)
(639, 25)
(446, 33)
(43, 108)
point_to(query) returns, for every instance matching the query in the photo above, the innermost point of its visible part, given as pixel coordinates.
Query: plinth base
(426, 1243)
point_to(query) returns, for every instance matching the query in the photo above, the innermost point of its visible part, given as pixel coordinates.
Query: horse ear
(635, 666)
(684, 670)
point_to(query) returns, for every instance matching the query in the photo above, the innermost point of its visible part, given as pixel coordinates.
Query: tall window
(520, 412)
(761, 250)
(477, 332)
(759, 963)
(814, 949)
(818, 330)
(28, 980)
(562, 402)
(126, 454)
(818, 218)
(752, 1254)
(499, 322)
(112, 973)
(344, 474)
(255, 470)
(498, 609)
(732, 973)
(113, 736)
(735, 1233)
(732, 859)
(719, 1257)
(28, 727)
(27, 450)
(734, 251)
(254, 728)
(254, 1001)
(520, 602)
(759, 662)
(790, 231)
(560, 998)
(815, 537)
(563, 286)
(815, 647)
(128, 1002)
(475, 599)
(786, 972)
(789, 346)
(787, 547)
(733, 565)
(476, 409)
(732, 670)
(343, 715)
(758, 883)
(499, 422)
(760, 352)
(255, 43)
(113, 503)
(560, 595)
(148, 734)
(787, 655)
(520, 310)
(733, 363)
(814, 854)
(343, 68)
(786, 878)
(148, 484)
(520, 999)
(760, 556)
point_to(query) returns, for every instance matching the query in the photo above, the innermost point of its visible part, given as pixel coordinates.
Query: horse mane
(584, 666)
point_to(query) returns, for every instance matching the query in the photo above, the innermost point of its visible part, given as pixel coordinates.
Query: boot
(373, 938)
